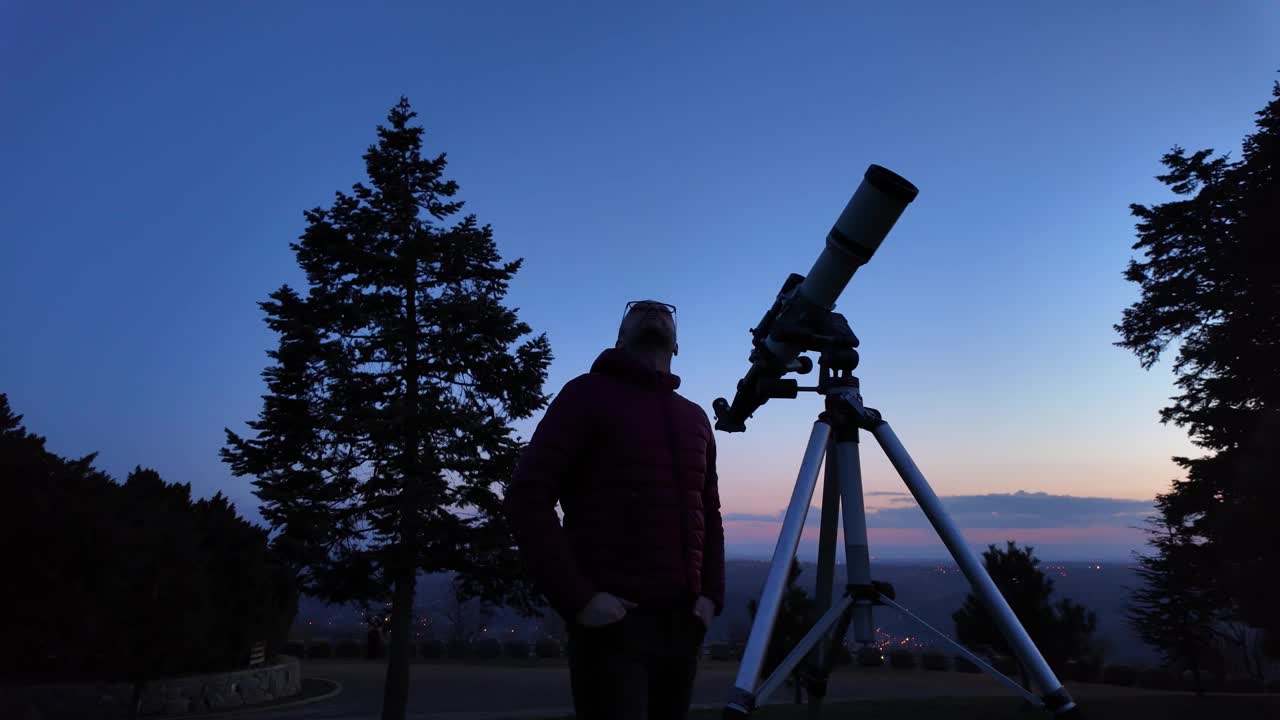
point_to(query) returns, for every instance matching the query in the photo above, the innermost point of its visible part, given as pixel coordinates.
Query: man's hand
(604, 609)
(705, 610)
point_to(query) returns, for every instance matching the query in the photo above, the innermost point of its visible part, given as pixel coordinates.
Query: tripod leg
(1055, 695)
(820, 659)
(820, 629)
(827, 537)
(742, 697)
(856, 553)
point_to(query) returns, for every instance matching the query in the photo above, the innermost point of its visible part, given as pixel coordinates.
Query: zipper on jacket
(685, 584)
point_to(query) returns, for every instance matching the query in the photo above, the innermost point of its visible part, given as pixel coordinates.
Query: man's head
(648, 326)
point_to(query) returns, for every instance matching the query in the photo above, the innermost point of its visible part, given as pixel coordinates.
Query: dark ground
(471, 692)
(1092, 708)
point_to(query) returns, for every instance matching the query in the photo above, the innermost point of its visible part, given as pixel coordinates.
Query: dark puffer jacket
(633, 465)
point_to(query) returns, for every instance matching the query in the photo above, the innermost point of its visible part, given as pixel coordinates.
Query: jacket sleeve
(713, 542)
(533, 492)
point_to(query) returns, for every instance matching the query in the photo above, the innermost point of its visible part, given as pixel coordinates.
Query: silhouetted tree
(192, 586)
(467, 616)
(52, 525)
(1061, 631)
(1209, 287)
(1180, 600)
(796, 615)
(136, 581)
(387, 423)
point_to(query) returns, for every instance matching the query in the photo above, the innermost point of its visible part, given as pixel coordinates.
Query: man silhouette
(637, 569)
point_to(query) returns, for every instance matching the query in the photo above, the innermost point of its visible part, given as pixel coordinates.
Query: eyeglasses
(650, 306)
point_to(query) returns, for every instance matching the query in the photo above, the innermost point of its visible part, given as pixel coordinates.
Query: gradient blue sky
(156, 160)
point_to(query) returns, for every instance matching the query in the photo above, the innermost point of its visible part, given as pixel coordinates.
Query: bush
(373, 646)
(295, 649)
(457, 649)
(1085, 671)
(869, 656)
(720, 652)
(431, 649)
(1119, 675)
(145, 550)
(320, 649)
(1209, 681)
(1243, 683)
(965, 665)
(1156, 678)
(843, 655)
(935, 660)
(547, 648)
(488, 648)
(902, 659)
(347, 649)
(1005, 665)
(516, 648)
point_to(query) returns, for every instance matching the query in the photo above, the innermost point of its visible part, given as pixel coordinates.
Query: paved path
(476, 692)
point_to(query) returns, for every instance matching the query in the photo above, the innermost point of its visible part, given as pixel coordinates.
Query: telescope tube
(868, 217)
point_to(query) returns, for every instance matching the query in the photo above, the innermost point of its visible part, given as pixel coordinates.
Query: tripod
(835, 436)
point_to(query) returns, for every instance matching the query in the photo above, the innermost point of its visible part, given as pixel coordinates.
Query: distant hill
(934, 590)
(931, 590)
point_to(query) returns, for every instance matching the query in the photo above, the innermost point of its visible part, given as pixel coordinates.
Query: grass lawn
(1161, 707)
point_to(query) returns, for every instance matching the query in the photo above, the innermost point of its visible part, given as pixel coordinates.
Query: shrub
(1155, 678)
(965, 665)
(320, 649)
(1243, 683)
(295, 649)
(547, 648)
(347, 649)
(143, 548)
(935, 660)
(488, 648)
(843, 655)
(1005, 665)
(373, 646)
(516, 648)
(1209, 681)
(1119, 675)
(902, 659)
(431, 649)
(869, 656)
(1085, 671)
(457, 649)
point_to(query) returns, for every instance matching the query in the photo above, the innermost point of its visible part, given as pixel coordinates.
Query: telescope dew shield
(868, 217)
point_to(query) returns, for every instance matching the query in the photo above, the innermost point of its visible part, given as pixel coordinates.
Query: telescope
(801, 315)
(802, 319)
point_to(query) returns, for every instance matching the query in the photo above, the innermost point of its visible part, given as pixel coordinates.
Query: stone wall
(190, 694)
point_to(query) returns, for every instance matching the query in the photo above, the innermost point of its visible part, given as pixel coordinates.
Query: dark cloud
(759, 517)
(886, 493)
(997, 510)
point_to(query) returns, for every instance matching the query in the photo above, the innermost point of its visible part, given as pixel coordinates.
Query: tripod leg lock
(885, 589)
(871, 593)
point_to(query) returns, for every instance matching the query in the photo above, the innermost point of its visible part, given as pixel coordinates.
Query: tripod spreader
(873, 593)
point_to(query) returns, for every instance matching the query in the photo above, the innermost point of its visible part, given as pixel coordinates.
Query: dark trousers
(642, 666)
